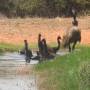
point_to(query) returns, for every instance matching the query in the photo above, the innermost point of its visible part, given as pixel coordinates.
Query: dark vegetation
(43, 8)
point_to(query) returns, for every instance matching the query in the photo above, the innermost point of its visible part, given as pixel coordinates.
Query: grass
(6, 47)
(69, 72)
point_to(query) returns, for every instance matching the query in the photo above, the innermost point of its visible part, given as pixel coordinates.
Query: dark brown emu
(72, 36)
(74, 13)
(54, 50)
(28, 52)
(22, 51)
(46, 54)
(40, 45)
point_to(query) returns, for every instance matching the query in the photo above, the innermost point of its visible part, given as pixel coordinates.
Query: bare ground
(14, 31)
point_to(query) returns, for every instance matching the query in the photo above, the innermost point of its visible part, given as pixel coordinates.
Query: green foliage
(7, 47)
(69, 72)
(45, 8)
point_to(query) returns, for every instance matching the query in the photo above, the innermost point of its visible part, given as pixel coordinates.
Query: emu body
(72, 36)
(26, 51)
(46, 53)
(40, 45)
(55, 49)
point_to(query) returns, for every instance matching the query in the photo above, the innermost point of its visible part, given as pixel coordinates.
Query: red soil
(15, 31)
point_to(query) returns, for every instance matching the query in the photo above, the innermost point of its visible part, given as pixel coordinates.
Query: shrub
(43, 8)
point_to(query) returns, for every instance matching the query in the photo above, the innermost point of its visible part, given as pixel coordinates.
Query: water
(18, 83)
(62, 53)
(15, 73)
(16, 57)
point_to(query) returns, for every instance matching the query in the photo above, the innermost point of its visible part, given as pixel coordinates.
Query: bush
(43, 8)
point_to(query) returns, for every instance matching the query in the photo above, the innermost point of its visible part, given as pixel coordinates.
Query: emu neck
(26, 46)
(39, 39)
(58, 47)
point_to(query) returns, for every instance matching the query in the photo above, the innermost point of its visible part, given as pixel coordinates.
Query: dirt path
(16, 30)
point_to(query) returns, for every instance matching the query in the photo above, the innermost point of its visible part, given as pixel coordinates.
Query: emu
(54, 50)
(45, 49)
(72, 36)
(22, 51)
(26, 51)
(46, 53)
(40, 45)
(74, 14)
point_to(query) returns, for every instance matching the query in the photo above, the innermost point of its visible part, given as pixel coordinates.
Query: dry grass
(14, 31)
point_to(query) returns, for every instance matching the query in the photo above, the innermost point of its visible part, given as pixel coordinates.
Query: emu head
(39, 34)
(59, 37)
(25, 41)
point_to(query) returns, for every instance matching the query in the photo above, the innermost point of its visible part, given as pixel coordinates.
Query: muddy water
(18, 83)
(15, 57)
(15, 74)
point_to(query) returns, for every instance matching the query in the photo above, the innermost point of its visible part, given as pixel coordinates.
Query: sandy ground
(16, 30)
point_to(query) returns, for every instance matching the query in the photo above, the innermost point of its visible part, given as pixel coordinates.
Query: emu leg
(73, 47)
(69, 48)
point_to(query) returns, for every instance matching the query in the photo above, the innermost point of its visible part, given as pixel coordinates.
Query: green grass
(69, 72)
(7, 47)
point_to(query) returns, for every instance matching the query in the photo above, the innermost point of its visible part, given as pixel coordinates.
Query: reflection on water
(15, 74)
(16, 57)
